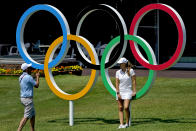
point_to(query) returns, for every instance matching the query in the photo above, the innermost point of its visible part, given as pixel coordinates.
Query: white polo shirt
(125, 83)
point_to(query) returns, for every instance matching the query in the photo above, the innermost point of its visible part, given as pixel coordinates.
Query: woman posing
(125, 89)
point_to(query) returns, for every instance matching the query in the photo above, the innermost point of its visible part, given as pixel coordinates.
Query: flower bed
(75, 70)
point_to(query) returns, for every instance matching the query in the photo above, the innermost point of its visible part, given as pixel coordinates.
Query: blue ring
(20, 29)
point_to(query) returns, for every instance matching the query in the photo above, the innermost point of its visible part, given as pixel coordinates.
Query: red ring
(181, 35)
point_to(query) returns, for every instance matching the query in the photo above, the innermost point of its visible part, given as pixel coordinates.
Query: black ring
(121, 31)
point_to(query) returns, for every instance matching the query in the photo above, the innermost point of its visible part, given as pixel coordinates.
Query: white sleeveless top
(125, 84)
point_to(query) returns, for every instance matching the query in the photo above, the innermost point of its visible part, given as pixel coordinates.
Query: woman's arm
(117, 88)
(117, 85)
(133, 78)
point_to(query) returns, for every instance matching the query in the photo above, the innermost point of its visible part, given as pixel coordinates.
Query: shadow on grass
(135, 121)
(139, 121)
(86, 120)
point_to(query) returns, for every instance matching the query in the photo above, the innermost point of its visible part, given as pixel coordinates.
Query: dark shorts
(29, 110)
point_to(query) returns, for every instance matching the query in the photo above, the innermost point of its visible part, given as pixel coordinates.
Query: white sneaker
(121, 126)
(126, 125)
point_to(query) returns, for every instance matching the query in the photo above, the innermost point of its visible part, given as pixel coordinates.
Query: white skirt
(125, 95)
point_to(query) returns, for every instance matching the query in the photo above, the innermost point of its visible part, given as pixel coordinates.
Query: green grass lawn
(170, 105)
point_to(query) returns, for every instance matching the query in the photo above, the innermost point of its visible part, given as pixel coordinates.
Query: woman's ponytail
(129, 67)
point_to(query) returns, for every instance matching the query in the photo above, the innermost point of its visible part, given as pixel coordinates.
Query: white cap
(24, 66)
(122, 60)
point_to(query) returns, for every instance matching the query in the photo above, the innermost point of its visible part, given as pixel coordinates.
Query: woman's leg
(127, 111)
(120, 108)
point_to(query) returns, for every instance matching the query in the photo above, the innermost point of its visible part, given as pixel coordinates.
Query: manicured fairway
(169, 106)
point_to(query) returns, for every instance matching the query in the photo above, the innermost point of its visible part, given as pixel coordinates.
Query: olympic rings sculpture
(106, 63)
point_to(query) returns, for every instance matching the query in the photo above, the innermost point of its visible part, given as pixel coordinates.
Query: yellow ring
(48, 73)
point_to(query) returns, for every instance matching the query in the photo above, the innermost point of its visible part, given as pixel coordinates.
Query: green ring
(104, 72)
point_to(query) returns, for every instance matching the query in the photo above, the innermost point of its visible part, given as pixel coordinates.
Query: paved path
(164, 73)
